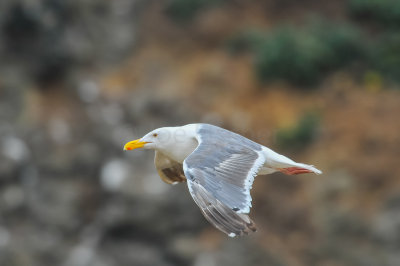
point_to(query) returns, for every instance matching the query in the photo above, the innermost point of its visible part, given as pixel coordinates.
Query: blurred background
(315, 80)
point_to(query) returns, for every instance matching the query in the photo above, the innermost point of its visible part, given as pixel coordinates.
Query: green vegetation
(385, 57)
(290, 55)
(343, 43)
(304, 56)
(386, 12)
(184, 10)
(300, 135)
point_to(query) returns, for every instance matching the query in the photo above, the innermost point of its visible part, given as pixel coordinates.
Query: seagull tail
(303, 169)
(287, 166)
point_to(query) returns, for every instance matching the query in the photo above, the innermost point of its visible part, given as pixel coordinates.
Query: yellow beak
(134, 144)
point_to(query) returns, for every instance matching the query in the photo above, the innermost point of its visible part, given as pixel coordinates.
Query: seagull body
(219, 167)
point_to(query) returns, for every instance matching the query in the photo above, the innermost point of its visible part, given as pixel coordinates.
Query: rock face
(47, 40)
(78, 79)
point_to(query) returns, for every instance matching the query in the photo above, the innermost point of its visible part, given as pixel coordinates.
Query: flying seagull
(219, 167)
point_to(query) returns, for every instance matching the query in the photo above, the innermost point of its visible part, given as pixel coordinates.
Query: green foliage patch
(184, 10)
(304, 56)
(385, 56)
(386, 12)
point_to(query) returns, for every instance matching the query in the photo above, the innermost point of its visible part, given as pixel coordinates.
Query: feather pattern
(225, 164)
(218, 214)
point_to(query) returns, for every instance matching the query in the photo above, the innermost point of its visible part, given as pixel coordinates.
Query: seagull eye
(155, 135)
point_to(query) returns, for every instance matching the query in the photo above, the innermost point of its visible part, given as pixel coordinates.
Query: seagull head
(176, 142)
(152, 140)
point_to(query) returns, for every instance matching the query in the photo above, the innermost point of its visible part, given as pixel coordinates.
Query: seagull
(219, 167)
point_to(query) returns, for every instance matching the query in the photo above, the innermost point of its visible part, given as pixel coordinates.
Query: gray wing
(220, 215)
(170, 171)
(220, 173)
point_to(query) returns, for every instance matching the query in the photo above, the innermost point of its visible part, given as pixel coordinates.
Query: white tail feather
(279, 162)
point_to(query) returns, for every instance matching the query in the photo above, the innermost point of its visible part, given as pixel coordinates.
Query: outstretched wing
(220, 173)
(220, 215)
(170, 171)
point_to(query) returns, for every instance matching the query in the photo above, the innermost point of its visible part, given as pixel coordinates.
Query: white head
(153, 140)
(177, 142)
